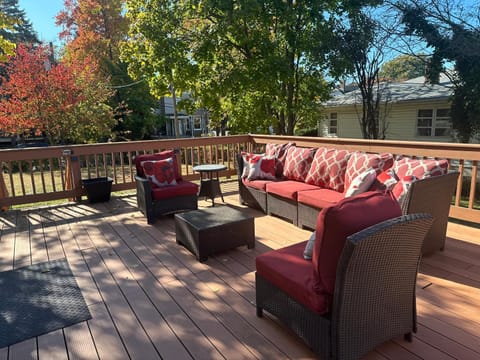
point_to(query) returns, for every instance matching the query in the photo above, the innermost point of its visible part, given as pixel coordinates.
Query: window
(332, 124)
(434, 122)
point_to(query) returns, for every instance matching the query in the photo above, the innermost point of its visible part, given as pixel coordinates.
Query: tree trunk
(175, 113)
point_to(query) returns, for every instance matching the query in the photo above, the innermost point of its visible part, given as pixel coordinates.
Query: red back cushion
(160, 172)
(298, 163)
(359, 162)
(328, 169)
(337, 222)
(158, 156)
(420, 168)
(279, 151)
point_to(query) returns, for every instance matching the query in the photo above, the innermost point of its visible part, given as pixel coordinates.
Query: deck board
(150, 298)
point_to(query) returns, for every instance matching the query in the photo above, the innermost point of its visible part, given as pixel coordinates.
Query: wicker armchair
(432, 196)
(374, 294)
(154, 201)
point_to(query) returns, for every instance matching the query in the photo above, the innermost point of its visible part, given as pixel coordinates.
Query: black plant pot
(98, 189)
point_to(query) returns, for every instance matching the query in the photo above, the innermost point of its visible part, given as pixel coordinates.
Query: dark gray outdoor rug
(37, 299)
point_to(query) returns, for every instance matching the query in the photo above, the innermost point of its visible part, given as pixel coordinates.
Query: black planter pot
(98, 189)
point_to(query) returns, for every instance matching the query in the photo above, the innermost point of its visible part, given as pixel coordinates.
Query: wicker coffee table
(215, 229)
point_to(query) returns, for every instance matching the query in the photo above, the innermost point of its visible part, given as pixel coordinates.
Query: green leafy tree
(404, 67)
(453, 33)
(7, 47)
(20, 30)
(255, 63)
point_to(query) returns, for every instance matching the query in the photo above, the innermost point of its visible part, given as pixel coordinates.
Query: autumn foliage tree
(95, 28)
(67, 102)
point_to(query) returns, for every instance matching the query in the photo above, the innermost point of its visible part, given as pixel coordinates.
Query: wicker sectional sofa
(310, 179)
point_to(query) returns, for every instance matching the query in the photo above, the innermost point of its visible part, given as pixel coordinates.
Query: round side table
(209, 183)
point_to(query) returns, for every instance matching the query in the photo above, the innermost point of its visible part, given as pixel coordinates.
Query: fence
(34, 175)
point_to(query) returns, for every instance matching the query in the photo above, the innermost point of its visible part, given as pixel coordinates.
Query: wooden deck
(150, 298)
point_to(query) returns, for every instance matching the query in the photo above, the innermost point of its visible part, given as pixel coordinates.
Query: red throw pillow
(328, 169)
(337, 222)
(160, 172)
(261, 168)
(400, 189)
(359, 162)
(386, 180)
(158, 156)
(246, 162)
(279, 151)
(419, 168)
(298, 163)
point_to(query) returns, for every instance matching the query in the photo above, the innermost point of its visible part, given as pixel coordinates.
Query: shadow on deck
(150, 298)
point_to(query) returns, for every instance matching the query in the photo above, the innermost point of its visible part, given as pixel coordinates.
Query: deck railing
(35, 175)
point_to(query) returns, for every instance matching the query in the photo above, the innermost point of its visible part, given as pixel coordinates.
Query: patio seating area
(150, 298)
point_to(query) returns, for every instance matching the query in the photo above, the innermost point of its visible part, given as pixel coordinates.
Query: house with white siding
(413, 110)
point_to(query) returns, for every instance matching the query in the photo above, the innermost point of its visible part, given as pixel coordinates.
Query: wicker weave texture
(432, 196)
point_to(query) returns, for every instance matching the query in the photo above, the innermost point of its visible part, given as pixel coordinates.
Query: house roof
(416, 89)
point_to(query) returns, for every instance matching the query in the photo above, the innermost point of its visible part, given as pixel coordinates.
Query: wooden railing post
(3, 191)
(73, 174)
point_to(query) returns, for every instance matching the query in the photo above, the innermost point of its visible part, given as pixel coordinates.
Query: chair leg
(408, 337)
(259, 311)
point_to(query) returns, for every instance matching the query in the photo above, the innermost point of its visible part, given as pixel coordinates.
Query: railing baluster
(473, 184)
(458, 194)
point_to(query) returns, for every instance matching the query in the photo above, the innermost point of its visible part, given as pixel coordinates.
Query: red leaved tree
(67, 102)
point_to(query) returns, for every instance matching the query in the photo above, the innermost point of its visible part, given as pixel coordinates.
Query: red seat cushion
(257, 184)
(337, 222)
(288, 270)
(289, 188)
(320, 198)
(158, 156)
(183, 188)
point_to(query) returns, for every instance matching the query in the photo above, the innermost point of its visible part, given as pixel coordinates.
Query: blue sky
(41, 14)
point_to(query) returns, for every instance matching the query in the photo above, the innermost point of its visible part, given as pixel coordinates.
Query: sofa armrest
(144, 198)
(433, 196)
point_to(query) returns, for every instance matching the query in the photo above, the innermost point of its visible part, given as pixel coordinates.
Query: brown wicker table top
(212, 217)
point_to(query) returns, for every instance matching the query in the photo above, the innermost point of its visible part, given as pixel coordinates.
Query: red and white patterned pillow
(361, 183)
(386, 180)
(360, 162)
(420, 168)
(160, 172)
(279, 151)
(261, 168)
(246, 162)
(298, 163)
(328, 169)
(400, 190)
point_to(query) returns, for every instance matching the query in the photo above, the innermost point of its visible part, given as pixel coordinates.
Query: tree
(257, 63)
(21, 30)
(7, 47)
(64, 101)
(95, 28)
(454, 35)
(361, 45)
(404, 67)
